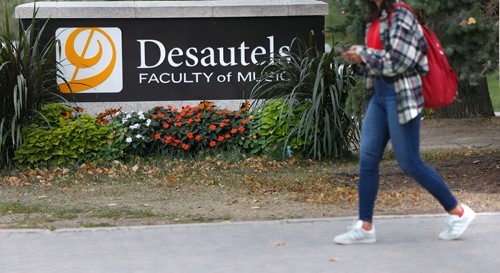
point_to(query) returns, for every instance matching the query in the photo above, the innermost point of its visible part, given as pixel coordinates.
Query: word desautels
(208, 56)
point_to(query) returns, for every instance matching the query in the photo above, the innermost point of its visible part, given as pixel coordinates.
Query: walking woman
(393, 60)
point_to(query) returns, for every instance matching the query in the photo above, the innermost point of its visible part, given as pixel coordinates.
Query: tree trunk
(472, 102)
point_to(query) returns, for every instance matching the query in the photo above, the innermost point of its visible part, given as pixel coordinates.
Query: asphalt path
(405, 244)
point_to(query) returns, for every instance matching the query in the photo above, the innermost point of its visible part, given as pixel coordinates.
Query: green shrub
(56, 114)
(273, 130)
(64, 135)
(253, 143)
(116, 145)
(317, 86)
(27, 74)
(76, 141)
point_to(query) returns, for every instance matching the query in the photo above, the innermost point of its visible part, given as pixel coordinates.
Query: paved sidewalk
(405, 244)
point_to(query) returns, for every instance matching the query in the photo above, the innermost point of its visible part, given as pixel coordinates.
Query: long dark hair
(374, 12)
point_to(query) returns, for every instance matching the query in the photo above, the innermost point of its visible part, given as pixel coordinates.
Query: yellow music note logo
(80, 61)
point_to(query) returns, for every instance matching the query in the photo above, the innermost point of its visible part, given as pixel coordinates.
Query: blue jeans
(381, 124)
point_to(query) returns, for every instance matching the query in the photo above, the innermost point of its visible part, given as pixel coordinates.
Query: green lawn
(494, 86)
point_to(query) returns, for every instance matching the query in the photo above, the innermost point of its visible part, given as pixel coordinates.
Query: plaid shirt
(403, 57)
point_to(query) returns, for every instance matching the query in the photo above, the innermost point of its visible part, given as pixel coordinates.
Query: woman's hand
(352, 56)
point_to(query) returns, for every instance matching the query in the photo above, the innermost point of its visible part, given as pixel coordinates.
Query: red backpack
(441, 83)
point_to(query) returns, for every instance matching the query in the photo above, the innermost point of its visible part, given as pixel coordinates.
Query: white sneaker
(356, 235)
(457, 225)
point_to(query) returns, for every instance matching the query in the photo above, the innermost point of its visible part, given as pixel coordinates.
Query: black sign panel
(177, 59)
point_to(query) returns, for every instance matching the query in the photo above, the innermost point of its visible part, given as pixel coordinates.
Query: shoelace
(451, 223)
(449, 226)
(354, 232)
(352, 226)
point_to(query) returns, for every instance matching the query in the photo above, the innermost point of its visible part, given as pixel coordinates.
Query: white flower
(148, 122)
(141, 116)
(128, 116)
(139, 136)
(135, 126)
(128, 139)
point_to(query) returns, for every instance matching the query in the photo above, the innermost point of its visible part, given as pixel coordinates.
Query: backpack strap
(403, 5)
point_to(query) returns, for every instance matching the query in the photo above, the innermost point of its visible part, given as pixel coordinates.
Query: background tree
(468, 29)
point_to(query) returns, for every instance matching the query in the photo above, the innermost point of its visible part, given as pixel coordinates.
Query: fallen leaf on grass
(112, 173)
(151, 170)
(14, 181)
